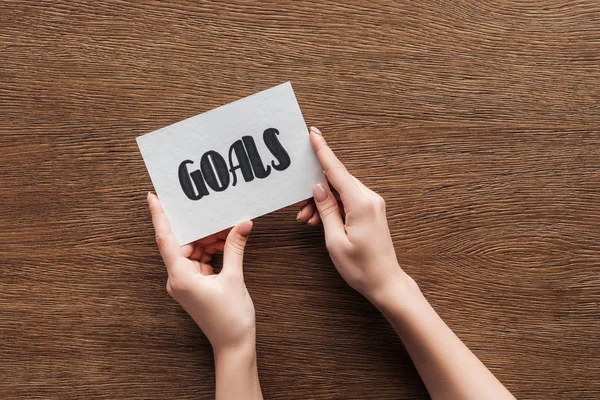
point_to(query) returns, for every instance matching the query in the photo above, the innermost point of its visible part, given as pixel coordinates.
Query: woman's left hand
(218, 303)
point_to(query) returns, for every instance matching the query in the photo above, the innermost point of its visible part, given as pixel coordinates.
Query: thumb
(329, 211)
(233, 253)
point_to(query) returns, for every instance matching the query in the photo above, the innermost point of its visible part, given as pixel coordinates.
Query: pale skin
(359, 243)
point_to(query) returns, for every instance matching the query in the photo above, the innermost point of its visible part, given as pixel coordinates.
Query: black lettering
(257, 165)
(191, 181)
(274, 145)
(216, 173)
(243, 162)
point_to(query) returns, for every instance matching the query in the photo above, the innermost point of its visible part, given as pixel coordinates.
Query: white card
(231, 164)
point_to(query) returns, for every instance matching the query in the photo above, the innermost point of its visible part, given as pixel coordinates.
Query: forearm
(447, 367)
(237, 373)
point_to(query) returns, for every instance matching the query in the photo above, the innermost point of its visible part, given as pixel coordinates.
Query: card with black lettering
(233, 163)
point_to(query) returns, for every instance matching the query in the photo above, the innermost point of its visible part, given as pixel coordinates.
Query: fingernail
(310, 220)
(148, 196)
(298, 215)
(319, 193)
(315, 130)
(244, 228)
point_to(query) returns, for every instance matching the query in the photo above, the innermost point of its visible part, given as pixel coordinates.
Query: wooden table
(477, 121)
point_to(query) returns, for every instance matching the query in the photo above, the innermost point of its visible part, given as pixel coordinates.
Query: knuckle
(176, 286)
(322, 146)
(328, 209)
(160, 240)
(337, 166)
(237, 246)
(379, 202)
(170, 289)
(336, 163)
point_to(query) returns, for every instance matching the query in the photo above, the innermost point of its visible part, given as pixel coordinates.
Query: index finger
(336, 172)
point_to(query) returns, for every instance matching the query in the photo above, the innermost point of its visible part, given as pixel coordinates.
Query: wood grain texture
(478, 121)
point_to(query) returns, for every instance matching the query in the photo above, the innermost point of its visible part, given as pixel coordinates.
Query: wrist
(238, 338)
(242, 350)
(397, 295)
(236, 371)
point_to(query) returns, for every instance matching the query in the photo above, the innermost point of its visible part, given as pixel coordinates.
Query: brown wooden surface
(477, 121)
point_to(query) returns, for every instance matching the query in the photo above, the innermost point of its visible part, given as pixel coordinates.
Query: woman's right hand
(361, 249)
(356, 228)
